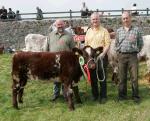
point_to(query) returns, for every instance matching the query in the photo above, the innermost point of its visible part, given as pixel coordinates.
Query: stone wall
(12, 33)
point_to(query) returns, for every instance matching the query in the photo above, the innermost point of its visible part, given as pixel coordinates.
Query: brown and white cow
(36, 43)
(46, 65)
(145, 53)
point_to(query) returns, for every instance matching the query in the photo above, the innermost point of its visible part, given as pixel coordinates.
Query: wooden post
(122, 10)
(147, 10)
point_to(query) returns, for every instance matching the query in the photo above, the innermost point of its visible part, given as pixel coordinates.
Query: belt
(128, 52)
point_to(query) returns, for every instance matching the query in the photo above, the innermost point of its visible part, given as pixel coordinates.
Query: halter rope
(101, 60)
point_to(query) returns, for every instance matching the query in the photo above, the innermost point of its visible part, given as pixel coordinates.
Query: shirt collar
(97, 29)
(129, 28)
(58, 33)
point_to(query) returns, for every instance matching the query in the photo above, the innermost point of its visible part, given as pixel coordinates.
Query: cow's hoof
(16, 107)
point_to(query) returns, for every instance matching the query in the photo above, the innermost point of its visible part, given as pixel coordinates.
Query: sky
(29, 6)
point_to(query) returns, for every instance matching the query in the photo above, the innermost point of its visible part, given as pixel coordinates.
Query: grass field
(37, 107)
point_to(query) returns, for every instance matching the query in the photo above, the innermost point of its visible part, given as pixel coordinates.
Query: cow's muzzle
(91, 64)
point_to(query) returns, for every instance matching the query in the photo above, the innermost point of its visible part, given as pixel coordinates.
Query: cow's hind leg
(69, 93)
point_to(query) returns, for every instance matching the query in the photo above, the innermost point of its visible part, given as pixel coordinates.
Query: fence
(77, 14)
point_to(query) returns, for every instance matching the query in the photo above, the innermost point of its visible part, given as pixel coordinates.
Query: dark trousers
(103, 85)
(128, 62)
(57, 88)
(84, 14)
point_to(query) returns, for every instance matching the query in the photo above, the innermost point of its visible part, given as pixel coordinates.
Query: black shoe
(121, 98)
(102, 100)
(54, 98)
(136, 99)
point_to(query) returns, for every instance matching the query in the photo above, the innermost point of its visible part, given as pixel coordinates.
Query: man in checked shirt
(128, 43)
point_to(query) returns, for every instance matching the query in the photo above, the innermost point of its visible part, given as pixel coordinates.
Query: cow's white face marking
(88, 50)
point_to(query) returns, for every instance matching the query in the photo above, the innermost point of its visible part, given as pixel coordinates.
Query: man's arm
(107, 44)
(140, 40)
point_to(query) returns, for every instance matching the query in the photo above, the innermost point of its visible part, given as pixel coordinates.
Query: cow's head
(89, 55)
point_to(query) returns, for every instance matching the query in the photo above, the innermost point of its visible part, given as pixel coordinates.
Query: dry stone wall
(12, 33)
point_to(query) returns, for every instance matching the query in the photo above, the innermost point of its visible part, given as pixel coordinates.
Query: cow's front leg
(76, 93)
(21, 90)
(69, 94)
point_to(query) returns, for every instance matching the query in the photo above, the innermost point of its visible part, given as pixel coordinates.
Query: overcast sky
(29, 6)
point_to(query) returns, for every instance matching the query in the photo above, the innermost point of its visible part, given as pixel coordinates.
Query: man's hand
(101, 56)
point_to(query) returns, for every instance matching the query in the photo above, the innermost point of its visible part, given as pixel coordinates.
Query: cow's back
(46, 65)
(36, 43)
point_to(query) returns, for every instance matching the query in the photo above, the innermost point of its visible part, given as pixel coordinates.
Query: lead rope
(101, 60)
(88, 73)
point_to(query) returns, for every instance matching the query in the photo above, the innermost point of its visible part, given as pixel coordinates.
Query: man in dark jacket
(3, 13)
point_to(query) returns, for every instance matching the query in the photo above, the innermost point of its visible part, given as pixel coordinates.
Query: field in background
(37, 107)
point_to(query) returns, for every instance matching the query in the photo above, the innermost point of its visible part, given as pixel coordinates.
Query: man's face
(60, 26)
(95, 21)
(126, 19)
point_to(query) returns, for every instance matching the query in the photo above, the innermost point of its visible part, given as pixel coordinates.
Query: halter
(86, 71)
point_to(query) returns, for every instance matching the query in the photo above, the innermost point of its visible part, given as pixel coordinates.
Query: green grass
(37, 107)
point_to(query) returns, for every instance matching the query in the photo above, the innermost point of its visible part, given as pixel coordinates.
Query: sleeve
(116, 40)
(107, 38)
(86, 38)
(140, 40)
(72, 42)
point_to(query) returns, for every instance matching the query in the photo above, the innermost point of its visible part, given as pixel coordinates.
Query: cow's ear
(98, 50)
(77, 51)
